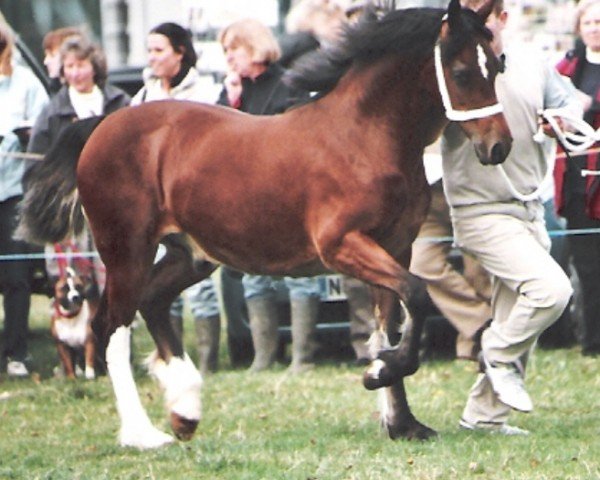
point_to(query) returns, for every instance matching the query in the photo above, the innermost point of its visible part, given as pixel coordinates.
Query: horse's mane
(381, 31)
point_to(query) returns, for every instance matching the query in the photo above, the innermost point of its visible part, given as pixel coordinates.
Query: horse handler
(505, 230)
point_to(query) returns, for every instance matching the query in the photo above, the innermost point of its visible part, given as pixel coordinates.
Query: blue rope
(43, 256)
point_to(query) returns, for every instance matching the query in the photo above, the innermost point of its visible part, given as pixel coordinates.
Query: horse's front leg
(396, 416)
(361, 257)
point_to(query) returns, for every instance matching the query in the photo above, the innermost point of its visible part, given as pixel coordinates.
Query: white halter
(458, 115)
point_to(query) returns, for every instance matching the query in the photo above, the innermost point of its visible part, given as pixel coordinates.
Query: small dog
(72, 311)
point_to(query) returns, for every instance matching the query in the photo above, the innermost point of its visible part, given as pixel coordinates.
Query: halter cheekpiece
(451, 113)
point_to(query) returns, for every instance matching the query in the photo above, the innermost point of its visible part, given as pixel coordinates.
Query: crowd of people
(511, 287)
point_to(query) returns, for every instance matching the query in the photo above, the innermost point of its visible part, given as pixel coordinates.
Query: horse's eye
(461, 77)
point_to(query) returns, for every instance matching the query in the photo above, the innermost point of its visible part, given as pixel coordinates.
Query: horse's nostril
(498, 154)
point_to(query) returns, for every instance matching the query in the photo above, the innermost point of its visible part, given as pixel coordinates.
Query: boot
(208, 332)
(304, 326)
(262, 311)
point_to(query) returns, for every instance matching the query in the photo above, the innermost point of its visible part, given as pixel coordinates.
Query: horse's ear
(485, 9)
(454, 13)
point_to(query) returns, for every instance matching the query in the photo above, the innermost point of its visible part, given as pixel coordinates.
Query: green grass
(321, 425)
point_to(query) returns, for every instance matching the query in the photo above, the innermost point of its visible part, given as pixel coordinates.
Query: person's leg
(530, 291)
(262, 312)
(204, 305)
(362, 318)
(17, 290)
(456, 298)
(561, 333)
(304, 302)
(585, 250)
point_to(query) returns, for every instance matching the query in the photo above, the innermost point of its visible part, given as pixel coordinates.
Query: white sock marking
(136, 428)
(181, 382)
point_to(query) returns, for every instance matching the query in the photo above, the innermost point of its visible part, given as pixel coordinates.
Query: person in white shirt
(22, 97)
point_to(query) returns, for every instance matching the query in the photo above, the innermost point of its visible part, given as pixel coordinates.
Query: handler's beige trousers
(462, 298)
(529, 289)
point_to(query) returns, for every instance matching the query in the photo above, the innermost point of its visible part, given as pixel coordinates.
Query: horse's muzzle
(494, 155)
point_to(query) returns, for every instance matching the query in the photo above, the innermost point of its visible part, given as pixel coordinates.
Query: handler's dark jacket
(267, 94)
(60, 112)
(572, 66)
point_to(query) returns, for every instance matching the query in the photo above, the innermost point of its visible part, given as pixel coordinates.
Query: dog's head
(70, 292)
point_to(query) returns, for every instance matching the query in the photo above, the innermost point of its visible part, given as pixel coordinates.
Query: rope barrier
(69, 256)
(22, 155)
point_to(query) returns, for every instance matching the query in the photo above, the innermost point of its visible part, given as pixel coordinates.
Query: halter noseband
(458, 115)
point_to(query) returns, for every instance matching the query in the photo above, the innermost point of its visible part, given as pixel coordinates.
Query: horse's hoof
(145, 439)
(184, 428)
(414, 431)
(378, 375)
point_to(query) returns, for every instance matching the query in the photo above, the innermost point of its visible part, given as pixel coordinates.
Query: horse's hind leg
(396, 416)
(172, 367)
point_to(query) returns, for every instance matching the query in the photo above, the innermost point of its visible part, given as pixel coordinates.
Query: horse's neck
(399, 95)
(401, 92)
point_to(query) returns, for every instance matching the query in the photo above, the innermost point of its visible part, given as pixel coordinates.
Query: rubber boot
(262, 311)
(304, 313)
(208, 333)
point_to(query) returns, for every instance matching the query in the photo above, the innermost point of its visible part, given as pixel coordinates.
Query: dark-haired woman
(171, 71)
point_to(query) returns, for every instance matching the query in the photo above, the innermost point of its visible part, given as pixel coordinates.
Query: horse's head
(466, 68)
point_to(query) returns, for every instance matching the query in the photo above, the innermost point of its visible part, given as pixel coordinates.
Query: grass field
(321, 425)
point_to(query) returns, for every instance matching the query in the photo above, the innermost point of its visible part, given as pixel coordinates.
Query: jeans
(202, 298)
(264, 285)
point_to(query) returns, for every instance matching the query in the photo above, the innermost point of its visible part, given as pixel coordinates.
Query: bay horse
(336, 184)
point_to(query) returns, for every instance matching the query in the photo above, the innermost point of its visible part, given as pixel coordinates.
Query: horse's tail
(51, 210)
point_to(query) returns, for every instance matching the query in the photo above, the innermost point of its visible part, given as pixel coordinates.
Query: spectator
(22, 97)
(51, 44)
(506, 233)
(172, 74)
(578, 197)
(83, 94)
(254, 85)
(310, 24)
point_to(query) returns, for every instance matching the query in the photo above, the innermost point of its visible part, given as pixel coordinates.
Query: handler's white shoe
(490, 427)
(507, 382)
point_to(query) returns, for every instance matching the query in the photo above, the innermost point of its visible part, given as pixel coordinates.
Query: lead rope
(578, 140)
